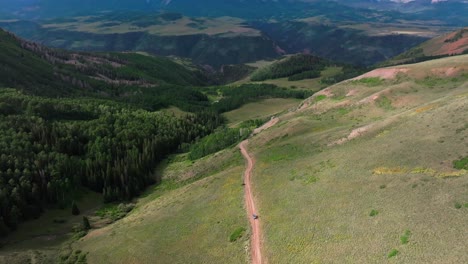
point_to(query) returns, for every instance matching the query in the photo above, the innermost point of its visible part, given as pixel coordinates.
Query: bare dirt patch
(385, 73)
(354, 134)
(352, 92)
(446, 72)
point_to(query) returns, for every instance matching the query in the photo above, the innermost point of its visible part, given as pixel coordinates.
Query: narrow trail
(255, 240)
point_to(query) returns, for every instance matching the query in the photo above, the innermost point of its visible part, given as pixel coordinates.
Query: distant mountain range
(449, 11)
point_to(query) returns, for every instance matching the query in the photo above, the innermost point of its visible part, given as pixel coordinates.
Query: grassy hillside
(190, 224)
(453, 43)
(363, 171)
(372, 169)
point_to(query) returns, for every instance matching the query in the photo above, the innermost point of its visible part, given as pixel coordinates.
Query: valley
(224, 40)
(233, 131)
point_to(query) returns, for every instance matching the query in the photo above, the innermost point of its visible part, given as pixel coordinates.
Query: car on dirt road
(255, 216)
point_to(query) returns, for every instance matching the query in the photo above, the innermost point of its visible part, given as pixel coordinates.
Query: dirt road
(256, 252)
(255, 240)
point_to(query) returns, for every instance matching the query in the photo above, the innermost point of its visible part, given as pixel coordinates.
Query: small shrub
(374, 213)
(393, 253)
(79, 234)
(343, 111)
(405, 238)
(86, 224)
(82, 259)
(461, 164)
(466, 205)
(458, 205)
(115, 212)
(383, 186)
(237, 234)
(384, 103)
(320, 98)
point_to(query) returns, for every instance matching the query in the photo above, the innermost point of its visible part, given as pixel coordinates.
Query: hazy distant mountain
(452, 12)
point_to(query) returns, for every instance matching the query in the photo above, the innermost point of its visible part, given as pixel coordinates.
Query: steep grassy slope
(345, 176)
(188, 224)
(448, 44)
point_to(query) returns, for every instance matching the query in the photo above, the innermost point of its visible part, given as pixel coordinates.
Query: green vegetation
(76, 257)
(393, 253)
(217, 141)
(371, 81)
(384, 102)
(223, 138)
(347, 72)
(114, 211)
(231, 73)
(305, 75)
(58, 145)
(461, 164)
(102, 135)
(325, 221)
(373, 213)
(234, 97)
(197, 216)
(154, 69)
(237, 234)
(297, 67)
(405, 237)
(86, 224)
(53, 72)
(458, 205)
(262, 109)
(320, 98)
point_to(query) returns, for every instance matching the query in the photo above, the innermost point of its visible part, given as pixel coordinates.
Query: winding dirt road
(255, 240)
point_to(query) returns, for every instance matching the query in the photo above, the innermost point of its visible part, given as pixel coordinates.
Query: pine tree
(75, 210)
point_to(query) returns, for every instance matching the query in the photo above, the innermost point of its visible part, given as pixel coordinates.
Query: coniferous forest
(50, 148)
